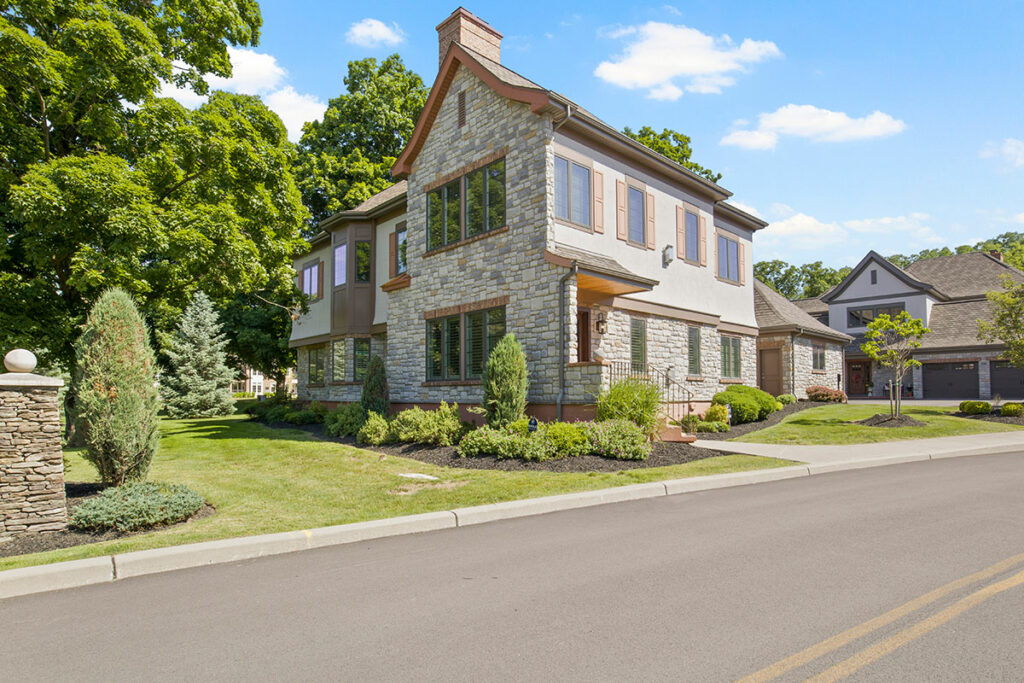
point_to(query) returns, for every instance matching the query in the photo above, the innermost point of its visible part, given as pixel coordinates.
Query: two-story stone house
(518, 211)
(948, 294)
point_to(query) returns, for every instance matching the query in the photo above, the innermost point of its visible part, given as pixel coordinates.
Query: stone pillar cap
(21, 363)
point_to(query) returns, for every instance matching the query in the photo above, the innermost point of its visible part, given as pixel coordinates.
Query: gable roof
(775, 312)
(812, 306)
(895, 271)
(964, 275)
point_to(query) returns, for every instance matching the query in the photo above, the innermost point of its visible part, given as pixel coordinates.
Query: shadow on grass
(212, 428)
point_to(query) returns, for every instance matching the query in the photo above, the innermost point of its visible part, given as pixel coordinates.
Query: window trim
(341, 247)
(356, 343)
(642, 189)
(401, 266)
(344, 359)
(589, 168)
(314, 279)
(322, 371)
(722, 235)
(818, 350)
(462, 180)
(461, 318)
(355, 250)
(688, 211)
(738, 341)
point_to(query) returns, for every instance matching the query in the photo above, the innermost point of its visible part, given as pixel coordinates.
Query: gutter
(573, 269)
(564, 119)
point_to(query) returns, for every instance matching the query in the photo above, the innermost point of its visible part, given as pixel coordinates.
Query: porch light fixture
(666, 256)
(602, 324)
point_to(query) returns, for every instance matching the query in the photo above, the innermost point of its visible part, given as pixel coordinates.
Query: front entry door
(770, 367)
(858, 375)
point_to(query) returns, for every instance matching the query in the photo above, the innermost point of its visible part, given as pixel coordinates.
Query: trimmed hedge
(786, 399)
(717, 413)
(618, 439)
(748, 404)
(824, 394)
(1012, 410)
(374, 431)
(136, 505)
(716, 426)
(975, 407)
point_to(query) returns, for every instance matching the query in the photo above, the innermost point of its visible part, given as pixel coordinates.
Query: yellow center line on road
(848, 636)
(911, 633)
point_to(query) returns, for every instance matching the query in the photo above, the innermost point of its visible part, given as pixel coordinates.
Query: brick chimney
(997, 255)
(471, 31)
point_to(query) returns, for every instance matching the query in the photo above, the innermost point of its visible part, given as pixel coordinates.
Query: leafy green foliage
(749, 404)
(786, 399)
(717, 413)
(1009, 244)
(825, 394)
(708, 426)
(199, 382)
(1011, 410)
(136, 505)
(505, 444)
(374, 431)
(345, 420)
(505, 383)
(302, 417)
(567, 439)
(799, 282)
(117, 401)
(673, 145)
(375, 388)
(890, 342)
(975, 407)
(346, 158)
(409, 426)
(618, 439)
(1007, 325)
(632, 399)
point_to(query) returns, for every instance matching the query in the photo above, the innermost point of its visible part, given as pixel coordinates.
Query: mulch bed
(77, 493)
(994, 417)
(773, 419)
(883, 420)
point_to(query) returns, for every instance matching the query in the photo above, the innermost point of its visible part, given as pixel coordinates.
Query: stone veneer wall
(804, 375)
(509, 264)
(31, 461)
(331, 392)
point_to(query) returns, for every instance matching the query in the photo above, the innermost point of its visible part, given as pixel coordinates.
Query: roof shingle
(774, 311)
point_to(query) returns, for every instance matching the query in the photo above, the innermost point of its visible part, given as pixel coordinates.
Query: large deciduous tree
(1007, 324)
(674, 145)
(346, 158)
(799, 282)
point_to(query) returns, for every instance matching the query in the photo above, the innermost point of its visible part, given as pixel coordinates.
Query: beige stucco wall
(318, 320)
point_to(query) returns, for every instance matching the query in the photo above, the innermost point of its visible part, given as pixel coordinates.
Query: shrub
(716, 426)
(520, 427)
(136, 505)
(483, 441)
(199, 381)
(320, 410)
(567, 439)
(744, 408)
(975, 407)
(243, 394)
(689, 423)
(820, 393)
(374, 431)
(505, 382)
(375, 388)
(1012, 410)
(117, 398)
(505, 444)
(636, 400)
(408, 426)
(443, 426)
(619, 439)
(345, 421)
(786, 399)
(717, 413)
(301, 417)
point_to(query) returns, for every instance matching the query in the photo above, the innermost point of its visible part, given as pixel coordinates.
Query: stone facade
(31, 462)
(915, 378)
(332, 391)
(797, 354)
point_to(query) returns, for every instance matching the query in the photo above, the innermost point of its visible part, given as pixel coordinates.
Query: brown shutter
(392, 254)
(319, 279)
(598, 202)
(651, 240)
(741, 257)
(680, 232)
(702, 241)
(621, 227)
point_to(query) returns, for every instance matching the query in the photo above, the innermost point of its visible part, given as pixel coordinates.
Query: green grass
(827, 425)
(265, 480)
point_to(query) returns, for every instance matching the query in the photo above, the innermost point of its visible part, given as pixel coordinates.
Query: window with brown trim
(311, 279)
(364, 261)
(401, 235)
(818, 360)
(458, 345)
(360, 358)
(467, 206)
(315, 364)
(338, 360)
(340, 264)
(732, 354)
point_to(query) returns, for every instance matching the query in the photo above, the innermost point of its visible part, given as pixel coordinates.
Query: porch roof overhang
(599, 276)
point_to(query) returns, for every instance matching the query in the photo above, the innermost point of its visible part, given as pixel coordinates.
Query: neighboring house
(253, 382)
(518, 211)
(948, 294)
(795, 350)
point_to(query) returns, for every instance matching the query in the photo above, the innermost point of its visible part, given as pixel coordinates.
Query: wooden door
(858, 374)
(583, 335)
(770, 371)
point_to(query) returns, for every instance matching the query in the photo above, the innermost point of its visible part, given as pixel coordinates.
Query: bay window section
(364, 258)
(338, 360)
(340, 264)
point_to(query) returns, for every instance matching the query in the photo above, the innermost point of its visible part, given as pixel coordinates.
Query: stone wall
(31, 461)
(803, 373)
(330, 391)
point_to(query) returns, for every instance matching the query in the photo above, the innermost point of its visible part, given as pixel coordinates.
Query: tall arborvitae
(199, 382)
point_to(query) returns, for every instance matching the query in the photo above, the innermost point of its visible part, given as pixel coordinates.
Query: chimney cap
(463, 12)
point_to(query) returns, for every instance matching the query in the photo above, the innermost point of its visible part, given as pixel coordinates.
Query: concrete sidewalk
(887, 451)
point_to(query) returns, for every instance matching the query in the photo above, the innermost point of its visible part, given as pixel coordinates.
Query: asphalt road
(712, 586)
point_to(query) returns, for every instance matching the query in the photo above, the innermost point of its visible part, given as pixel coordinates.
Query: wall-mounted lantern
(602, 324)
(667, 256)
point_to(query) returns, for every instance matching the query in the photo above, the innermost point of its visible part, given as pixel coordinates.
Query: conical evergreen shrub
(117, 398)
(505, 383)
(199, 383)
(375, 388)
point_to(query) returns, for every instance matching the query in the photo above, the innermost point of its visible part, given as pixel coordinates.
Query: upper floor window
(467, 206)
(692, 237)
(635, 211)
(862, 317)
(693, 351)
(573, 188)
(340, 264)
(728, 258)
(400, 253)
(364, 259)
(818, 357)
(732, 364)
(311, 279)
(874, 277)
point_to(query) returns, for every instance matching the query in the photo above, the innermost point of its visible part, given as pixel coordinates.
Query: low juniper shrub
(136, 505)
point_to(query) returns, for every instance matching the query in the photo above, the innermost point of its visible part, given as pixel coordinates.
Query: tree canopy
(346, 158)
(799, 282)
(674, 145)
(1009, 244)
(1007, 325)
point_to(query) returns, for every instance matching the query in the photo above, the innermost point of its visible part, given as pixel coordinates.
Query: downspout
(561, 334)
(562, 121)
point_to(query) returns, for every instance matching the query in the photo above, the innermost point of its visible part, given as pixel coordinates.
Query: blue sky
(850, 126)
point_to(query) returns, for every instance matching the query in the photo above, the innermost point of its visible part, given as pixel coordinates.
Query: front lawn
(264, 480)
(828, 425)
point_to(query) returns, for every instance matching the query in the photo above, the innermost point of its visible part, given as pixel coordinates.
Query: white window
(340, 264)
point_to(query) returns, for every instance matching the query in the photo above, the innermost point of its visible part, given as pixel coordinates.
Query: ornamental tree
(375, 388)
(505, 382)
(891, 343)
(1007, 324)
(117, 399)
(199, 381)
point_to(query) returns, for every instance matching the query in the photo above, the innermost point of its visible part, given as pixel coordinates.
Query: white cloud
(795, 233)
(744, 207)
(258, 73)
(672, 9)
(813, 123)
(779, 210)
(374, 33)
(804, 227)
(1010, 150)
(1019, 218)
(661, 53)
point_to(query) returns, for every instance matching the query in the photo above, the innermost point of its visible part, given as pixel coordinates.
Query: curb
(110, 568)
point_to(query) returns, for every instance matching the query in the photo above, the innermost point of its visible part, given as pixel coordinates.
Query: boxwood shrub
(374, 431)
(748, 404)
(975, 407)
(786, 399)
(706, 427)
(1012, 410)
(345, 420)
(136, 505)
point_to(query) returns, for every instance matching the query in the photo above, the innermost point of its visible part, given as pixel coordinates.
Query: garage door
(1007, 381)
(950, 380)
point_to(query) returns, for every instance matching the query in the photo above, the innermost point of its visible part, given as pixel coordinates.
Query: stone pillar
(31, 461)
